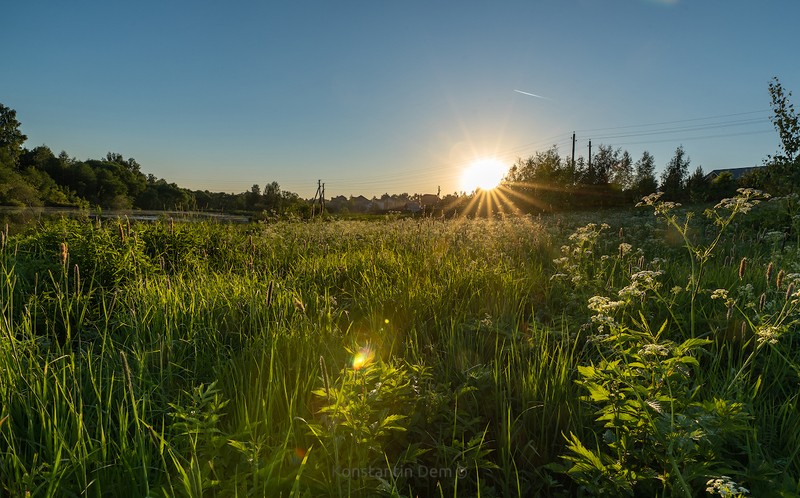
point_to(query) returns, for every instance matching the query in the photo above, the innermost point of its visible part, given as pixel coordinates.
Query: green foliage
(180, 359)
(673, 179)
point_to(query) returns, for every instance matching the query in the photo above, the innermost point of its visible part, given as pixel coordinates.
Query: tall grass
(344, 358)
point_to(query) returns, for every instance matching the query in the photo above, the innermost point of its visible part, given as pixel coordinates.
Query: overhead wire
(442, 174)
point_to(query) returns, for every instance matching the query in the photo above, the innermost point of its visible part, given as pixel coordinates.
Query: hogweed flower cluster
(641, 282)
(744, 202)
(725, 487)
(660, 207)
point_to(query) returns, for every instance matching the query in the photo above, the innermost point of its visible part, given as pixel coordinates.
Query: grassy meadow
(647, 352)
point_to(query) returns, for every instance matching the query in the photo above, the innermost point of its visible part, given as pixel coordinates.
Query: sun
(484, 174)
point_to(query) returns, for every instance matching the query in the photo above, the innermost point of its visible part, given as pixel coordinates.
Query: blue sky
(392, 96)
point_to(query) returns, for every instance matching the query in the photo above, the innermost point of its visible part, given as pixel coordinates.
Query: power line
(589, 130)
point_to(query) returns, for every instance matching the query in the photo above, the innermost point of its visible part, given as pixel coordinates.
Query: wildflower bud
(641, 263)
(730, 312)
(779, 279)
(744, 328)
(742, 268)
(621, 233)
(789, 291)
(769, 271)
(762, 301)
(64, 253)
(299, 306)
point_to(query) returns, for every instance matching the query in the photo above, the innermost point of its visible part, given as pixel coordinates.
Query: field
(617, 353)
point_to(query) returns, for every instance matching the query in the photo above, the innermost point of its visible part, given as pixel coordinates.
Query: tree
(539, 182)
(673, 180)
(11, 139)
(785, 120)
(622, 172)
(604, 163)
(698, 186)
(644, 179)
(782, 172)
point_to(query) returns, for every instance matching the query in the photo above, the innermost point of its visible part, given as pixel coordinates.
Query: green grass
(217, 360)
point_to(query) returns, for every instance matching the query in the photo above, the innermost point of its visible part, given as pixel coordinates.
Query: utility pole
(320, 194)
(573, 150)
(590, 154)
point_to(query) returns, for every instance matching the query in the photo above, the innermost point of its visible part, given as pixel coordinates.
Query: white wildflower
(603, 321)
(720, 294)
(654, 350)
(725, 487)
(603, 304)
(768, 334)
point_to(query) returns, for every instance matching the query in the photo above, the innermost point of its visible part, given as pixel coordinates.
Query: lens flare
(363, 357)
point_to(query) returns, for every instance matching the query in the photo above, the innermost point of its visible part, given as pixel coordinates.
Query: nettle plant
(656, 435)
(360, 423)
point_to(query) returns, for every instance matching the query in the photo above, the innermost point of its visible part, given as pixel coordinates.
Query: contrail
(532, 95)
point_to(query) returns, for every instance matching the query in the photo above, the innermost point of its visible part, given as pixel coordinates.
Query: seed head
(64, 253)
(779, 279)
(742, 268)
(769, 271)
(762, 301)
(789, 291)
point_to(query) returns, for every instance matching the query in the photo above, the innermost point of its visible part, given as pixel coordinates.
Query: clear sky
(388, 95)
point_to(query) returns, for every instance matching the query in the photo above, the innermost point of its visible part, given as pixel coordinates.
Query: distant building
(428, 200)
(337, 202)
(735, 172)
(388, 203)
(413, 207)
(360, 203)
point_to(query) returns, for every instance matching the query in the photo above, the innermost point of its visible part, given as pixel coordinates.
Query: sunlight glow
(484, 174)
(363, 357)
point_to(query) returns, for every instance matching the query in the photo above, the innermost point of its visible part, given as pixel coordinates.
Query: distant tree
(698, 186)
(540, 182)
(253, 198)
(673, 180)
(622, 172)
(11, 138)
(604, 163)
(722, 186)
(644, 178)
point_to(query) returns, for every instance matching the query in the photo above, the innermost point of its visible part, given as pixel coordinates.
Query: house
(428, 200)
(360, 203)
(388, 203)
(337, 202)
(413, 207)
(737, 173)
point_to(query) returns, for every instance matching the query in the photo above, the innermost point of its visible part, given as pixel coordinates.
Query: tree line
(38, 177)
(548, 182)
(541, 183)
